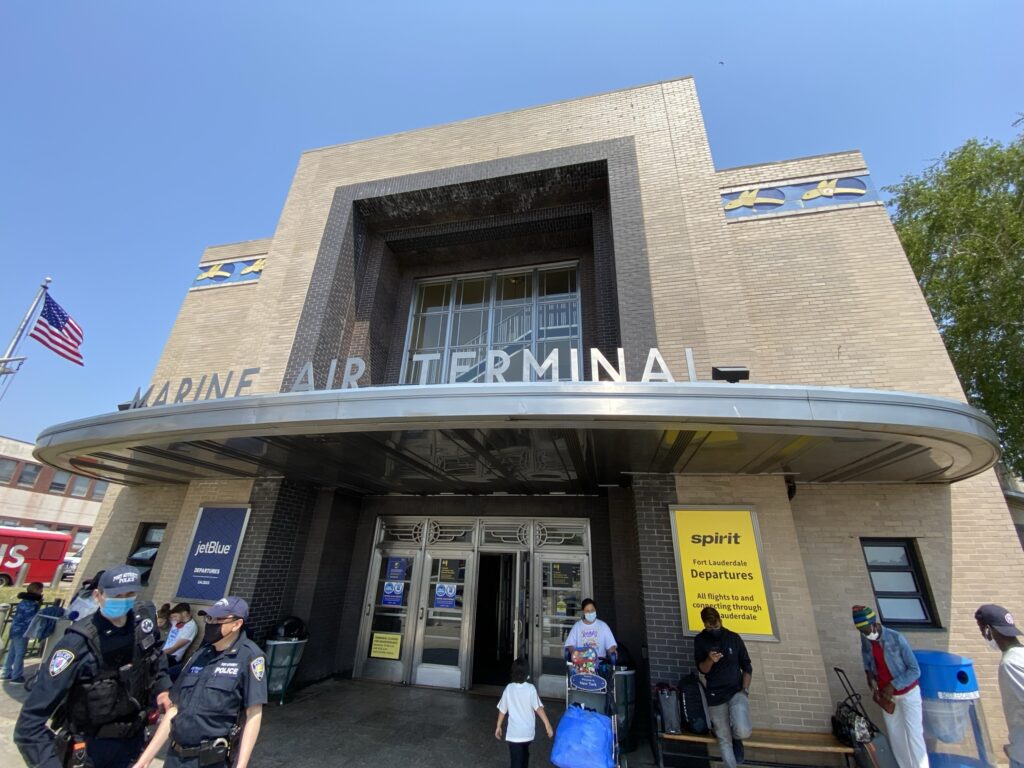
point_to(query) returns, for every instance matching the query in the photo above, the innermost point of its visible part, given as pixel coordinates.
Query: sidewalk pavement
(357, 724)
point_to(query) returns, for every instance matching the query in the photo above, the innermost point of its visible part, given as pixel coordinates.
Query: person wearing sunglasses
(217, 700)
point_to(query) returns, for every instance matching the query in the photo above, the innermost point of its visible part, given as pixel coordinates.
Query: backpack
(691, 700)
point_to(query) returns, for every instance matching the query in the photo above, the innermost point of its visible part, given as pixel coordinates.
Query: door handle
(367, 609)
(421, 613)
(536, 620)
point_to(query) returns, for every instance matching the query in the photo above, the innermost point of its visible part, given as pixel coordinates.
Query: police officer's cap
(120, 580)
(227, 606)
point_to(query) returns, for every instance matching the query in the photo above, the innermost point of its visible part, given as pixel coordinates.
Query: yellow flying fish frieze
(830, 188)
(214, 270)
(751, 197)
(256, 266)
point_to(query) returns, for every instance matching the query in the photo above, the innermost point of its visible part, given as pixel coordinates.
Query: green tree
(962, 225)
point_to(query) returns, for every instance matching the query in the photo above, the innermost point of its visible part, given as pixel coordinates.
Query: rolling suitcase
(871, 747)
(667, 697)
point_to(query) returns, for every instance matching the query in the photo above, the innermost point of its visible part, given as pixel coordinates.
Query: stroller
(588, 733)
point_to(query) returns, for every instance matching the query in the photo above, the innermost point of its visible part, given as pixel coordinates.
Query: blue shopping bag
(583, 740)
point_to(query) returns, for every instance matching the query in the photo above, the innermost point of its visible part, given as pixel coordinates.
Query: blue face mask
(116, 607)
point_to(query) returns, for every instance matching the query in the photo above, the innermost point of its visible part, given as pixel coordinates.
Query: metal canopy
(533, 438)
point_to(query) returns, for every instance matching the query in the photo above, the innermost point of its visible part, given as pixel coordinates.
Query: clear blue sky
(134, 134)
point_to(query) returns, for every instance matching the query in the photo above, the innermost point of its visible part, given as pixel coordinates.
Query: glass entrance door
(521, 608)
(561, 581)
(392, 598)
(442, 631)
(450, 602)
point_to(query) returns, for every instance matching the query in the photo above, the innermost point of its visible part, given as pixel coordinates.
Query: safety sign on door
(444, 595)
(394, 591)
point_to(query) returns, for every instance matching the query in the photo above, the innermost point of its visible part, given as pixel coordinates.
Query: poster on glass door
(393, 593)
(444, 595)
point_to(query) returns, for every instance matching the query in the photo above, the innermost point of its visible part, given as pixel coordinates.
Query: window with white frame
(454, 323)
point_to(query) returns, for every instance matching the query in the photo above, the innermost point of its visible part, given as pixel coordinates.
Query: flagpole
(9, 353)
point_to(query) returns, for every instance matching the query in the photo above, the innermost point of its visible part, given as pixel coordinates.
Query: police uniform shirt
(214, 688)
(72, 660)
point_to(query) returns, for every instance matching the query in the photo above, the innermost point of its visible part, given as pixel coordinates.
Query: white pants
(906, 730)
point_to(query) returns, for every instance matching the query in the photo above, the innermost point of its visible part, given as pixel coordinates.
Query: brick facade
(813, 297)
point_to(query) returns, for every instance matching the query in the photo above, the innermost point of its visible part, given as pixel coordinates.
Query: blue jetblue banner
(212, 553)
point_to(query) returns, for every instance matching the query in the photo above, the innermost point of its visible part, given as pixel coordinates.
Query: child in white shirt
(520, 701)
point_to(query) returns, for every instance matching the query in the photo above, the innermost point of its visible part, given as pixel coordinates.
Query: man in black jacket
(722, 658)
(98, 683)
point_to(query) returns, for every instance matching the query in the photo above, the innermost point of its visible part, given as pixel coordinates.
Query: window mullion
(536, 312)
(448, 333)
(491, 314)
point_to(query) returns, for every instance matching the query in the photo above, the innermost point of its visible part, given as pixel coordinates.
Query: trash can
(954, 726)
(625, 697)
(283, 657)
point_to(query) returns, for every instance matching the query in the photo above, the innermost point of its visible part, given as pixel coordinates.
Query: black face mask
(716, 633)
(213, 633)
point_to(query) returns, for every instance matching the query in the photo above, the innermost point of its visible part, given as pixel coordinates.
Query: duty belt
(216, 750)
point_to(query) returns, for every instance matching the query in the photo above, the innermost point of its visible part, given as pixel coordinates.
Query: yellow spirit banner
(718, 557)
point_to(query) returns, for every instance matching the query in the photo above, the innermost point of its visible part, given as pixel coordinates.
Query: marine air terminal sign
(719, 563)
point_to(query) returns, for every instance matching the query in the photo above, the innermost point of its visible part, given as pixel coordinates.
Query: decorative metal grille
(560, 535)
(511, 534)
(402, 532)
(449, 533)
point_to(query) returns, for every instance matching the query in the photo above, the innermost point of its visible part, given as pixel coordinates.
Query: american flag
(56, 330)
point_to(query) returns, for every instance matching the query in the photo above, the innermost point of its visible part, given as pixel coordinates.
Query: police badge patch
(258, 667)
(147, 625)
(60, 661)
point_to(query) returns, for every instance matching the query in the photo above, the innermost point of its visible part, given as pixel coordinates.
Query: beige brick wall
(789, 688)
(833, 302)
(215, 328)
(117, 525)
(675, 169)
(177, 506)
(823, 297)
(969, 551)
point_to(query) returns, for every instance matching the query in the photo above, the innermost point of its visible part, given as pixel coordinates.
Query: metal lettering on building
(223, 384)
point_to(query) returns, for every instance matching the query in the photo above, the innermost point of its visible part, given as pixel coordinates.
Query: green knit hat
(863, 615)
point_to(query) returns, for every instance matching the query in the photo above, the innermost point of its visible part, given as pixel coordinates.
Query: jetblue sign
(212, 553)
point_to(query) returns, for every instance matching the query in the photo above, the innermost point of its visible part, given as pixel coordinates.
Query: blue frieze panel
(835, 190)
(228, 273)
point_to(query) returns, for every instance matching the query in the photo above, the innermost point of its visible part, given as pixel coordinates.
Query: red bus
(42, 550)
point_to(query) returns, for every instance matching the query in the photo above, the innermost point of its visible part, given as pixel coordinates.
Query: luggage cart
(589, 683)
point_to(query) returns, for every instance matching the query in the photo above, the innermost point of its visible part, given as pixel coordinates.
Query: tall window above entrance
(455, 322)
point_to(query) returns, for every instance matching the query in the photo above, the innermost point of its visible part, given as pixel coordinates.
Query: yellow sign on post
(718, 557)
(386, 645)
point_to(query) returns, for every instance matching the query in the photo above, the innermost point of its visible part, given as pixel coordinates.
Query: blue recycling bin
(954, 726)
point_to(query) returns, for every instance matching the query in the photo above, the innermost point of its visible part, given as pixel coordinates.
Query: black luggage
(668, 705)
(852, 726)
(668, 753)
(691, 701)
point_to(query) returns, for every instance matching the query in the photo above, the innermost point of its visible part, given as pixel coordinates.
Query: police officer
(98, 684)
(217, 701)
